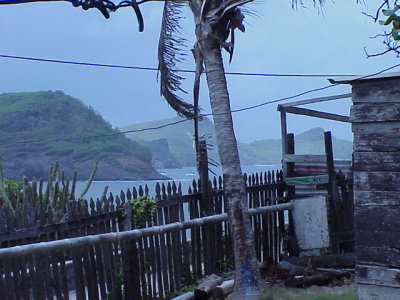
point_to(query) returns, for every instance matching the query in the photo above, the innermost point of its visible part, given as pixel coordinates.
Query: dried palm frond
(170, 53)
(317, 3)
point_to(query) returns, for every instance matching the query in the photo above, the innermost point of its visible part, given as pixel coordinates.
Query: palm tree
(215, 21)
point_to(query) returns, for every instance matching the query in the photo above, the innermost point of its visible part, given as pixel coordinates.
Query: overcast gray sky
(279, 40)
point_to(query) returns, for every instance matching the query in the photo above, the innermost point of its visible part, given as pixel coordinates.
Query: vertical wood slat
(151, 267)
(281, 221)
(126, 252)
(63, 277)
(153, 260)
(76, 255)
(275, 225)
(17, 278)
(196, 214)
(110, 258)
(48, 278)
(55, 271)
(219, 237)
(157, 273)
(176, 240)
(92, 268)
(170, 247)
(293, 247)
(89, 278)
(101, 271)
(193, 237)
(32, 276)
(164, 283)
(4, 292)
(186, 276)
(116, 256)
(105, 254)
(39, 277)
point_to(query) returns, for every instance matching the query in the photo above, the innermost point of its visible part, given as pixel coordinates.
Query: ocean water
(184, 176)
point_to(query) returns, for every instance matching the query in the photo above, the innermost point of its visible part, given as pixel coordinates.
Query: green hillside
(40, 117)
(180, 143)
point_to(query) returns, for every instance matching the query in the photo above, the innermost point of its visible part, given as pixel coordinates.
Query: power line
(87, 64)
(313, 90)
(205, 115)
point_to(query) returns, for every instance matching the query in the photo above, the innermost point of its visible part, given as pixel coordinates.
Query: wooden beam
(304, 158)
(317, 114)
(135, 234)
(330, 165)
(283, 139)
(314, 100)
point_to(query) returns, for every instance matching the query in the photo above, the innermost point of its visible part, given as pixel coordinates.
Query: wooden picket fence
(149, 267)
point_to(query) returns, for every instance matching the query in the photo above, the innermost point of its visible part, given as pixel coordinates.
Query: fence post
(206, 209)
(293, 246)
(130, 259)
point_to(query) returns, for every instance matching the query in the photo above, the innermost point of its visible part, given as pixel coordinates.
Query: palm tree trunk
(247, 276)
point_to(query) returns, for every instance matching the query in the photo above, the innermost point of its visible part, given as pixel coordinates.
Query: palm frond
(296, 3)
(170, 53)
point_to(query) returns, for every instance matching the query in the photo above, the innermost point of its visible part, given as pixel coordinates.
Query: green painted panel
(318, 179)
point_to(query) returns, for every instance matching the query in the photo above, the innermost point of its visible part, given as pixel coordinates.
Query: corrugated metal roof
(350, 79)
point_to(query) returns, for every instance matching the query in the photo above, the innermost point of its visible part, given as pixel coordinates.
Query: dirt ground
(343, 292)
(336, 289)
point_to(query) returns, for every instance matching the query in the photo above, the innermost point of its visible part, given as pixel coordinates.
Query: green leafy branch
(393, 19)
(143, 210)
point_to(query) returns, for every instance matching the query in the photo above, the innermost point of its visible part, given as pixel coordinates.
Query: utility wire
(156, 69)
(204, 115)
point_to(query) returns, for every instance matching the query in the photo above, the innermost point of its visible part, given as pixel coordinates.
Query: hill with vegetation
(39, 128)
(178, 144)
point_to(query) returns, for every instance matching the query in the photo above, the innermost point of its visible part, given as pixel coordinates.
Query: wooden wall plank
(374, 92)
(377, 218)
(378, 238)
(376, 127)
(378, 275)
(375, 198)
(384, 256)
(376, 142)
(377, 181)
(376, 161)
(375, 112)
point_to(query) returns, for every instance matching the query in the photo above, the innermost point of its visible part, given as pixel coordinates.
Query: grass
(312, 293)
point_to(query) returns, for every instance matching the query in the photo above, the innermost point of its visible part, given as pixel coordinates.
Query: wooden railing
(99, 255)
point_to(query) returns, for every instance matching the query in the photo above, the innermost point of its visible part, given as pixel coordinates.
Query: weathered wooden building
(375, 117)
